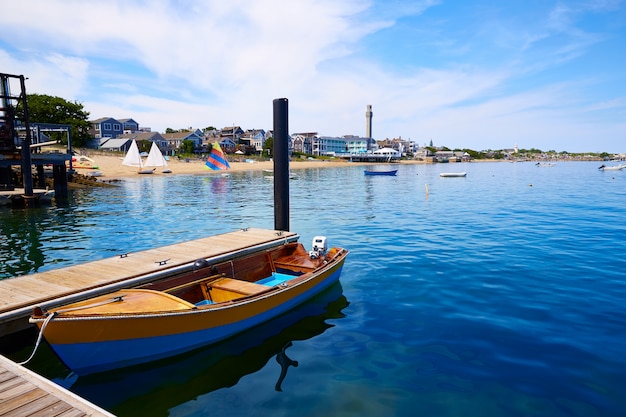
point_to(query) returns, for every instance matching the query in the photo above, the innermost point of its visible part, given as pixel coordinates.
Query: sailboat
(133, 159)
(216, 160)
(156, 159)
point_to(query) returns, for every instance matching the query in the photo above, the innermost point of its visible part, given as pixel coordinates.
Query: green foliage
(475, 154)
(187, 147)
(49, 109)
(269, 145)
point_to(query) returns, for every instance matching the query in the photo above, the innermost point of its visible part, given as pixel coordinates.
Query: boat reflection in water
(154, 388)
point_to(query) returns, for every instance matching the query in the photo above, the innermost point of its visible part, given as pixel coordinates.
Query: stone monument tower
(368, 121)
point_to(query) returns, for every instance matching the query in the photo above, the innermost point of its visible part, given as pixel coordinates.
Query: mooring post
(281, 164)
(27, 173)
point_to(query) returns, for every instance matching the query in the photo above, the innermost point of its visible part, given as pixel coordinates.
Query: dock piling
(281, 164)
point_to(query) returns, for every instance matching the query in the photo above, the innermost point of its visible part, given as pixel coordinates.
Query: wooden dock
(15, 196)
(24, 393)
(47, 289)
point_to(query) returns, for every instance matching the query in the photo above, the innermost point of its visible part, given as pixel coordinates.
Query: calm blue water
(498, 294)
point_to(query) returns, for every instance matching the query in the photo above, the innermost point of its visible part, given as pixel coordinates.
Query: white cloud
(198, 63)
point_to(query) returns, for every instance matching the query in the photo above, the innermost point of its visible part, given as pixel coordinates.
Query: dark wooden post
(281, 164)
(59, 174)
(27, 173)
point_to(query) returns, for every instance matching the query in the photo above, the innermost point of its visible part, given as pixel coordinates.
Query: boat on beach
(156, 159)
(452, 174)
(133, 159)
(187, 310)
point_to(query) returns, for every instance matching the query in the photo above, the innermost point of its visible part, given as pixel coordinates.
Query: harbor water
(500, 293)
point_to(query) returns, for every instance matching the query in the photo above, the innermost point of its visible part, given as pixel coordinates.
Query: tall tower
(368, 121)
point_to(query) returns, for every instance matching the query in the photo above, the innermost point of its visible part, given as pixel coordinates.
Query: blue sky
(475, 74)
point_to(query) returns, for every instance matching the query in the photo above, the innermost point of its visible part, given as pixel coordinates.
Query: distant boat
(156, 159)
(545, 164)
(612, 168)
(377, 172)
(133, 159)
(453, 174)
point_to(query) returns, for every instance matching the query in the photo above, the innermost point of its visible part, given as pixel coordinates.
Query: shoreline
(111, 169)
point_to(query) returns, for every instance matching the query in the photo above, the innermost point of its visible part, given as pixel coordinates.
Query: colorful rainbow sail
(217, 161)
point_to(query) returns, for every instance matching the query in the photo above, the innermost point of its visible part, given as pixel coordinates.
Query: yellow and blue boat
(183, 312)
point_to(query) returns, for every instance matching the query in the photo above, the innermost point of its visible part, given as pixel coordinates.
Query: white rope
(43, 327)
(47, 320)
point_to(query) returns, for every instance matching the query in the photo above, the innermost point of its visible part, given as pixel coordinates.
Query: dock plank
(55, 409)
(34, 396)
(44, 402)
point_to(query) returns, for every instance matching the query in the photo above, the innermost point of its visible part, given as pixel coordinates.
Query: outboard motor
(319, 247)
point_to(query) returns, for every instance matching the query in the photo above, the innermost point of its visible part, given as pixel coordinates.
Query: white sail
(155, 157)
(132, 158)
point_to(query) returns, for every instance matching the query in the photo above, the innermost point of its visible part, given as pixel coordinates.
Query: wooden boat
(453, 174)
(189, 310)
(376, 172)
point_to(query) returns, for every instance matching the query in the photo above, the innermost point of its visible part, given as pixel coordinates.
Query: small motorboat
(452, 174)
(377, 172)
(204, 305)
(612, 168)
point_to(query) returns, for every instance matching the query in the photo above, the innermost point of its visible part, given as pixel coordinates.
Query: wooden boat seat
(298, 267)
(239, 286)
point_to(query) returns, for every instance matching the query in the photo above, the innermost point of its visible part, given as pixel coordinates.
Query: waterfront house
(232, 132)
(155, 137)
(175, 140)
(116, 145)
(129, 125)
(105, 127)
(303, 142)
(253, 138)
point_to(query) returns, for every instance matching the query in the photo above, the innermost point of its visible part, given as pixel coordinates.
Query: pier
(16, 151)
(19, 295)
(24, 393)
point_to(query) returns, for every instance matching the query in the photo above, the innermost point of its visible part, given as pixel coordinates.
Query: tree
(49, 109)
(186, 147)
(269, 145)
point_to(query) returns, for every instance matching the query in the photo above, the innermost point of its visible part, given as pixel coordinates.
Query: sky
(478, 74)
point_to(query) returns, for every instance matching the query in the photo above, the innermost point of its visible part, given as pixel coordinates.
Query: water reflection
(155, 388)
(285, 362)
(20, 242)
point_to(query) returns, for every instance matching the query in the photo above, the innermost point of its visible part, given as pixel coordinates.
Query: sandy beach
(110, 166)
